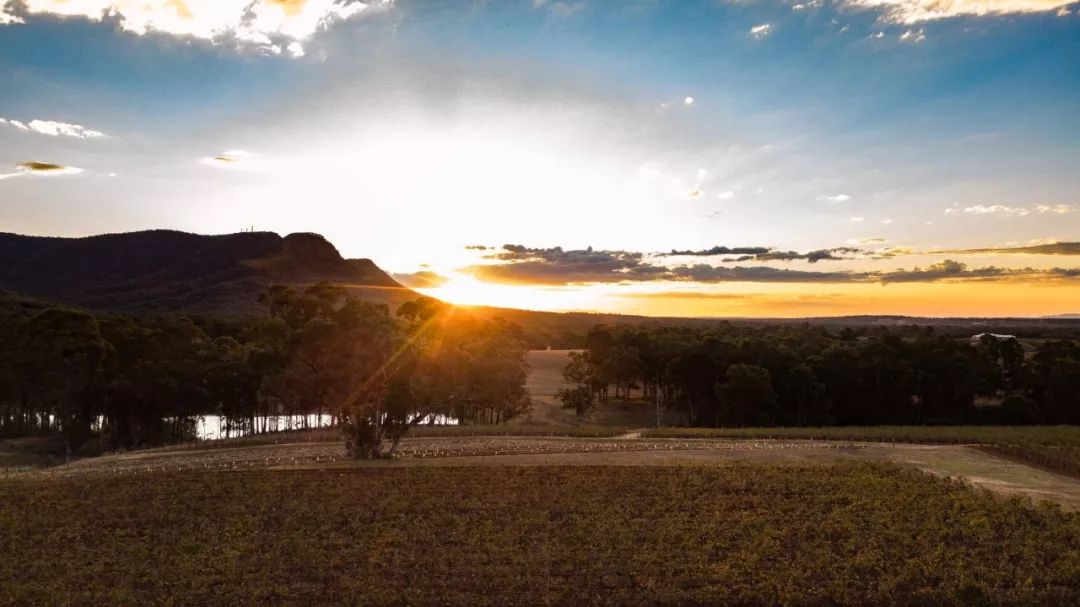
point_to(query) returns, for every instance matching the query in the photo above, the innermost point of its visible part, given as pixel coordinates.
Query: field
(1056, 447)
(841, 534)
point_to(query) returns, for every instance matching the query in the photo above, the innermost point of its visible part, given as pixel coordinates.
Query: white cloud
(559, 9)
(254, 21)
(1063, 12)
(8, 19)
(994, 209)
(15, 123)
(760, 31)
(917, 11)
(54, 129)
(886, 221)
(913, 36)
(726, 195)
(1056, 209)
(834, 198)
(295, 49)
(57, 129)
(857, 219)
(688, 101)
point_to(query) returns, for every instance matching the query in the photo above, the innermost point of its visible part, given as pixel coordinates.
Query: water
(212, 427)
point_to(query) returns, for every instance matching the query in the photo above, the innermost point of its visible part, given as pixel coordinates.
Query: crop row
(849, 534)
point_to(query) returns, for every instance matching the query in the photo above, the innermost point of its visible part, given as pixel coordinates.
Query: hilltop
(166, 270)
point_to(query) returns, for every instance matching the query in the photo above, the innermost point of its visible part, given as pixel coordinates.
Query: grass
(1055, 447)
(846, 534)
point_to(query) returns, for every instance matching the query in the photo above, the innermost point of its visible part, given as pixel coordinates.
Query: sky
(672, 158)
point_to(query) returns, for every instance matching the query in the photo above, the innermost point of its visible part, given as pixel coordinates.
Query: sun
(465, 290)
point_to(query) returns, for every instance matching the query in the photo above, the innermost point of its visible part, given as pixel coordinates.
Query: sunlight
(464, 290)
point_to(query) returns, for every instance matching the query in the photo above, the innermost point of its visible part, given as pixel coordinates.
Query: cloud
(1053, 248)
(726, 195)
(955, 271)
(770, 254)
(834, 198)
(22, 126)
(559, 9)
(857, 219)
(227, 160)
(867, 241)
(258, 22)
(424, 279)
(55, 129)
(720, 251)
(1056, 209)
(581, 267)
(914, 36)
(35, 167)
(994, 209)
(8, 19)
(760, 31)
(917, 11)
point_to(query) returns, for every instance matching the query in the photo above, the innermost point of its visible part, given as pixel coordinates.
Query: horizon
(707, 159)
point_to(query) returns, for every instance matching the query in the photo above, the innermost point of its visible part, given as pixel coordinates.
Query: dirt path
(981, 469)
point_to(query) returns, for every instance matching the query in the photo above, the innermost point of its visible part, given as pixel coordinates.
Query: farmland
(1056, 447)
(841, 534)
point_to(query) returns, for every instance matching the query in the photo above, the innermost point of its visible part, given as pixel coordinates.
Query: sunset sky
(677, 158)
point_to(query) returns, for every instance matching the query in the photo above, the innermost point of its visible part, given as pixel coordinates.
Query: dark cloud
(558, 266)
(41, 167)
(477, 247)
(771, 254)
(424, 279)
(1056, 248)
(555, 266)
(835, 254)
(706, 273)
(950, 270)
(721, 251)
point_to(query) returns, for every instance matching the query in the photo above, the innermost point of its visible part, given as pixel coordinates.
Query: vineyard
(1056, 447)
(844, 534)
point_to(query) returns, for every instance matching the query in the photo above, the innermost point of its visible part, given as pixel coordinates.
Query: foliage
(381, 376)
(319, 351)
(837, 535)
(803, 375)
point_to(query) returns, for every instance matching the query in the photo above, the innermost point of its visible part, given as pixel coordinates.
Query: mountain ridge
(171, 270)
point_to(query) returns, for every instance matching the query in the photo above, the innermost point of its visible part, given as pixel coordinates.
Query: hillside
(164, 270)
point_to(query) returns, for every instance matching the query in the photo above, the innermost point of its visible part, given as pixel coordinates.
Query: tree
(746, 397)
(382, 375)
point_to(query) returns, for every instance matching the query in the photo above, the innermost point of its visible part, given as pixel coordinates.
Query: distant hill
(165, 270)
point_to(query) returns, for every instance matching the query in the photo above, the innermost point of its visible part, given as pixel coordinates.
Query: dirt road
(970, 463)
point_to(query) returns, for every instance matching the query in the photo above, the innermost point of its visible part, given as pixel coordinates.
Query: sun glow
(464, 290)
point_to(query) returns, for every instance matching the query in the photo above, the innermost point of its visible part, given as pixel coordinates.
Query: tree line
(133, 381)
(809, 376)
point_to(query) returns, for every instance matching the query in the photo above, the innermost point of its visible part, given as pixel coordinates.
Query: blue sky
(406, 130)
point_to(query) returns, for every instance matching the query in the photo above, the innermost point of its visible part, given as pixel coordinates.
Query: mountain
(165, 270)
